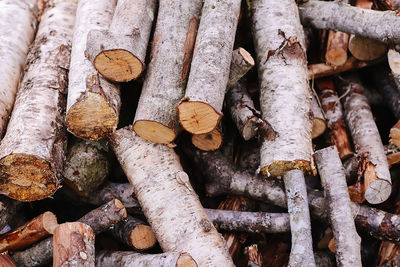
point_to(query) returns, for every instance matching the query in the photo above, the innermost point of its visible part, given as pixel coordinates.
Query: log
(134, 233)
(395, 134)
(301, 253)
(333, 179)
(21, 17)
(394, 64)
(319, 122)
(254, 256)
(156, 118)
(343, 17)
(100, 220)
(128, 258)
(159, 182)
(392, 154)
(332, 107)
(8, 209)
(284, 90)
(336, 49)
(29, 233)
(73, 245)
(32, 151)
(200, 110)
(366, 140)
(87, 165)
(324, 259)
(6, 260)
(323, 70)
(119, 52)
(93, 103)
(209, 141)
(250, 222)
(241, 63)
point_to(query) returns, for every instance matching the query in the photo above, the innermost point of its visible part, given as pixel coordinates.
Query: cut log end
(185, 260)
(91, 118)
(142, 237)
(154, 131)
(278, 168)
(319, 127)
(363, 48)
(377, 190)
(119, 206)
(198, 117)
(394, 61)
(246, 56)
(118, 65)
(249, 129)
(49, 221)
(336, 57)
(27, 178)
(209, 141)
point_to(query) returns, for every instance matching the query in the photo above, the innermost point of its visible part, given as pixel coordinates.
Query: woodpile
(199, 133)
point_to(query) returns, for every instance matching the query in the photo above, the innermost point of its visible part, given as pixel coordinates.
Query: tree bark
(17, 30)
(333, 179)
(367, 141)
(241, 63)
(379, 25)
(87, 166)
(93, 103)
(32, 151)
(284, 92)
(319, 122)
(201, 108)
(254, 256)
(334, 115)
(29, 233)
(73, 245)
(128, 258)
(323, 70)
(135, 233)
(156, 118)
(119, 52)
(336, 49)
(6, 260)
(100, 220)
(160, 183)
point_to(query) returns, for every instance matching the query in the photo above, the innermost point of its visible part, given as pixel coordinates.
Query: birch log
(323, 70)
(394, 64)
(73, 245)
(241, 63)
(200, 110)
(209, 141)
(6, 260)
(32, 151)
(383, 26)
(319, 122)
(173, 42)
(93, 103)
(128, 258)
(301, 253)
(17, 30)
(334, 115)
(366, 140)
(168, 201)
(336, 49)
(333, 179)
(284, 92)
(119, 52)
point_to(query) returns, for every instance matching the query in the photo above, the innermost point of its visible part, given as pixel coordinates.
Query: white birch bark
(171, 207)
(18, 21)
(32, 152)
(333, 179)
(119, 52)
(201, 108)
(284, 91)
(241, 63)
(93, 103)
(156, 118)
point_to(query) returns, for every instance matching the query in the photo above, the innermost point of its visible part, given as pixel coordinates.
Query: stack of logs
(145, 126)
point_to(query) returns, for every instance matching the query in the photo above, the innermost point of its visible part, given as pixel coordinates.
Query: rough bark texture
(367, 141)
(334, 115)
(241, 63)
(73, 245)
(333, 179)
(119, 52)
(156, 118)
(336, 49)
(87, 165)
(8, 209)
(17, 30)
(29, 233)
(319, 123)
(252, 222)
(135, 233)
(225, 178)
(6, 260)
(301, 253)
(201, 108)
(128, 258)
(379, 25)
(168, 200)
(323, 70)
(284, 92)
(32, 151)
(93, 103)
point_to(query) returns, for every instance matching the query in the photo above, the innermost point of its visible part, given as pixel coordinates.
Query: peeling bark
(93, 103)
(32, 151)
(156, 118)
(119, 52)
(284, 92)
